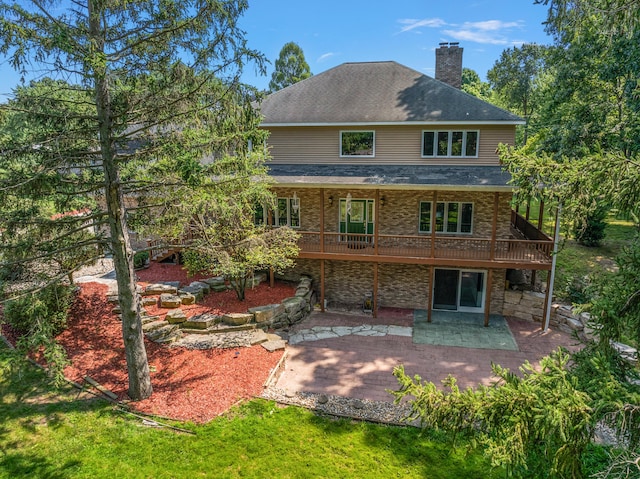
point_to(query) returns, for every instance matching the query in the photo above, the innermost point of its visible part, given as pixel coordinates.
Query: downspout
(552, 277)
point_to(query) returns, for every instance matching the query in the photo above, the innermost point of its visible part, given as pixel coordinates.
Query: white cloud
(477, 36)
(492, 25)
(412, 23)
(325, 56)
(493, 32)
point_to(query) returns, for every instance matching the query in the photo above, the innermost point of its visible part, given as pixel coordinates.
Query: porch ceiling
(491, 178)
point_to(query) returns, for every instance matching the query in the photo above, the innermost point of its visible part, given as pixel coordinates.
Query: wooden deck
(533, 254)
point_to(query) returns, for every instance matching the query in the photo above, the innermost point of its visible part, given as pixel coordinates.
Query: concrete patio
(353, 355)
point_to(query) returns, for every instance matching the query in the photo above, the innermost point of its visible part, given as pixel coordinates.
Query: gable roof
(377, 93)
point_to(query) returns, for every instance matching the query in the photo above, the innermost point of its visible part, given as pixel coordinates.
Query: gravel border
(339, 406)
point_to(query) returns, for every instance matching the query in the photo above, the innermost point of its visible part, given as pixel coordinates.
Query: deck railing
(407, 246)
(527, 229)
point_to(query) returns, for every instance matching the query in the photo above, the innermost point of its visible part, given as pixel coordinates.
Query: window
(450, 143)
(357, 143)
(287, 213)
(425, 217)
(450, 217)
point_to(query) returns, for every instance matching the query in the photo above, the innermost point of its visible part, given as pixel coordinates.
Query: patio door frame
(458, 291)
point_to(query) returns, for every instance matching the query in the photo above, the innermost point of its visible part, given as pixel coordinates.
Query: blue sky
(332, 32)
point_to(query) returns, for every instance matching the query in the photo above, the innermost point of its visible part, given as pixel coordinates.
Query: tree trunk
(135, 352)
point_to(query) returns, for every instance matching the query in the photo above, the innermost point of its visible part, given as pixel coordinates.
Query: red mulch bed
(188, 385)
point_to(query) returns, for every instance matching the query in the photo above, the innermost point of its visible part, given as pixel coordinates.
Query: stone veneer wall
(403, 285)
(399, 285)
(497, 291)
(400, 213)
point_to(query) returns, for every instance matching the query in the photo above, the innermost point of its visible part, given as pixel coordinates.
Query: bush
(50, 305)
(140, 259)
(591, 230)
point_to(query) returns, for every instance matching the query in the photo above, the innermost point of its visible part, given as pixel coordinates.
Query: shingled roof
(377, 92)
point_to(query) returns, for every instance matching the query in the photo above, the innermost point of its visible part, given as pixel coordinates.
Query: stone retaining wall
(529, 305)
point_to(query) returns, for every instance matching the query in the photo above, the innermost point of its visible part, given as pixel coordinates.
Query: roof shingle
(376, 92)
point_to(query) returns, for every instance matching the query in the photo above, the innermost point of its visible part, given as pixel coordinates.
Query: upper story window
(357, 143)
(287, 213)
(450, 217)
(450, 143)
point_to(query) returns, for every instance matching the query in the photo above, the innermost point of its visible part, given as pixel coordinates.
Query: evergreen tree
(147, 82)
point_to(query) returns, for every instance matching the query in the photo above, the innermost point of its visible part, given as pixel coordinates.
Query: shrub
(140, 259)
(591, 230)
(39, 317)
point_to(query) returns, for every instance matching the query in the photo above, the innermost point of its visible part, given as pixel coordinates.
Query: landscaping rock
(170, 301)
(202, 321)
(237, 319)
(149, 301)
(574, 324)
(144, 319)
(113, 298)
(159, 288)
(197, 292)
(215, 281)
(153, 325)
(187, 298)
(266, 314)
(258, 336)
(162, 334)
(176, 316)
(273, 346)
(206, 289)
(219, 288)
(293, 304)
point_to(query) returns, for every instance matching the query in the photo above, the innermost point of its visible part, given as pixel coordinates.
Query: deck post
(430, 293)
(552, 276)
(487, 301)
(322, 285)
(376, 218)
(434, 207)
(375, 290)
(494, 227)
(541, 215)
(322, 222)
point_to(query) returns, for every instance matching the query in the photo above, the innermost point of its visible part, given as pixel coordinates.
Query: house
(391, 177)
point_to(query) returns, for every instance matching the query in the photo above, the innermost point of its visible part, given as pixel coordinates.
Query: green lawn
(52, 434)
(576, 262)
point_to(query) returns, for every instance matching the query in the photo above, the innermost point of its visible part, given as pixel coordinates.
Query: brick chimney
(449, 64)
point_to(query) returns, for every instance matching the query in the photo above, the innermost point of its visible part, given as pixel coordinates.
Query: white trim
(449, 143)
(396, 123)
(373, 146)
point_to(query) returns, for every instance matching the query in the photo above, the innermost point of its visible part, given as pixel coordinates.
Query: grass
(46, 433)
(575, 262)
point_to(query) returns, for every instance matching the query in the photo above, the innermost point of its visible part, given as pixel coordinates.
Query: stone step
(154, 325)
(220, 329)
(166, 333)
(149, 319)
